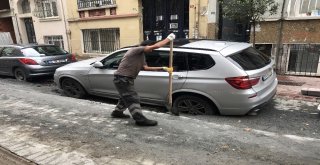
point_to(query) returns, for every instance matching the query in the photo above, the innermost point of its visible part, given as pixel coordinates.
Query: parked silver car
(26, 61)
(209, 77)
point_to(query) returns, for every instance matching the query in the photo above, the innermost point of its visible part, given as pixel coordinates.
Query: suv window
(11, 52)
(250, 59)
(161, 58)
(113, 61)
(38, 51)
(200, 61)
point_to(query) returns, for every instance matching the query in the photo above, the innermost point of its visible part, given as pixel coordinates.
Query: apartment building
(293, 37)
(40, 21)
(98, 27)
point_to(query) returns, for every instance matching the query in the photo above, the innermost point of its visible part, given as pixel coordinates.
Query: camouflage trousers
(128, 96)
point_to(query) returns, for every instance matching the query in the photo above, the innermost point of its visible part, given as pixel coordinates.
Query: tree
(252, 10)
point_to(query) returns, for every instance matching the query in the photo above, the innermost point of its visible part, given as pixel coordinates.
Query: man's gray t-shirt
(132, 62)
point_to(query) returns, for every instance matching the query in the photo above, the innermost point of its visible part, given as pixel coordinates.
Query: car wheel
(193, 105)
(20, 74)
(72, 88)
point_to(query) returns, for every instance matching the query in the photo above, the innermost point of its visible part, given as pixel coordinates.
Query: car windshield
(250, 59)
(38, 51)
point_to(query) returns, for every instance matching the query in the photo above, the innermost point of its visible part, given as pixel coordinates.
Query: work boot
(119, 114)
(143, 121)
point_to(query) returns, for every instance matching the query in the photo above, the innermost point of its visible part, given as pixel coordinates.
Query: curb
(311, 92)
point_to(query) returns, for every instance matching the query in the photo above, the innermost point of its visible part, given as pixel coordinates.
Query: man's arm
(160, 43)
(149, 68)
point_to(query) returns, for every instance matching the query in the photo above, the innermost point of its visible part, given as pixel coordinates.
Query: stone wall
(294, 31)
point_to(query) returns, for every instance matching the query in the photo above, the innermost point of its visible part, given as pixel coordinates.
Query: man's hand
(169, 70)
(171, 36)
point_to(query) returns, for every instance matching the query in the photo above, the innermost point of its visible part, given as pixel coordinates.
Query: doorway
(30, 30)
(162, 17)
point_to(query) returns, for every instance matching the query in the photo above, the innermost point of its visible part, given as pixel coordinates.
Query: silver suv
(27, 61)
(209, 77)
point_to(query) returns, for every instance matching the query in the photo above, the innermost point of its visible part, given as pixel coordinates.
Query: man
(129, 68)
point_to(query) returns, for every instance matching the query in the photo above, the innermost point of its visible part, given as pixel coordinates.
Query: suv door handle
(177, 77)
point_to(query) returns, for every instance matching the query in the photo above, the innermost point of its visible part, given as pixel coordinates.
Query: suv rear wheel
(72, 88)
(193, 105)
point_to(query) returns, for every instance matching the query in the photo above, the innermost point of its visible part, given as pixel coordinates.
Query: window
(300, 8)
(101, 40)
(94, 3)
(25, 5)
(113, 61)
(200, 61)
(11, 52)
(304, 58)
(38, 51)
(250, 59)
(54, 40)
(46, 8)
(161, 58)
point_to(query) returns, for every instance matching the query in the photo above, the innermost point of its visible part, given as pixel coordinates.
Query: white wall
(42, 26)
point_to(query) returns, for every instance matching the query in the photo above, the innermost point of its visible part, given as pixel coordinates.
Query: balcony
(88, 4)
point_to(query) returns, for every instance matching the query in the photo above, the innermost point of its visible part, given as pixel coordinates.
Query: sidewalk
(299, 88)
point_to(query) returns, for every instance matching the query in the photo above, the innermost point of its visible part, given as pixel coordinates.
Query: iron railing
(101, 40)
(94, 3)
(298, 59)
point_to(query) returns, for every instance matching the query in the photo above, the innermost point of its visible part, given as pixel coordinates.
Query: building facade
(40, 21)
(98, 27)
(293, 37)
(7, 35)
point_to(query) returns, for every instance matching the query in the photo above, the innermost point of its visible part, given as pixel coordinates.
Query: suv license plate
(265, 77)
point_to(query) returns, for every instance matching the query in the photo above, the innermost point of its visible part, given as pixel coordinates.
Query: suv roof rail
(194, 48)
(178, 43)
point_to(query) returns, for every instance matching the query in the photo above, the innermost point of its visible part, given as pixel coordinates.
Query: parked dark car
(27, 61)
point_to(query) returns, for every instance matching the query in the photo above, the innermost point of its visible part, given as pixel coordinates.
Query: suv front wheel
(193, 105)
(72, 88)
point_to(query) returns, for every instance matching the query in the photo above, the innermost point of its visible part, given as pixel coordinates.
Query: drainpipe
(280, 34)
(196, 25)
(65, 25)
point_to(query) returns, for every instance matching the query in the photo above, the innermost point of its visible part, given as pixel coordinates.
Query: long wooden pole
(170, 75)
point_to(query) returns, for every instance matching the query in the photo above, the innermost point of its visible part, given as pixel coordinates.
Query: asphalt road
(40, 124)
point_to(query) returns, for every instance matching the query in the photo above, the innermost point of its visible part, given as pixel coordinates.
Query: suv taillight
(243, 82)
(73, 58)
(28, 61)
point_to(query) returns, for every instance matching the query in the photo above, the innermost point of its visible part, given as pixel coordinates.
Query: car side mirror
(98, 64)
(42, 55)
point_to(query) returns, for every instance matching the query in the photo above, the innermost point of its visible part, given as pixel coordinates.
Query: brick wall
(7, 26)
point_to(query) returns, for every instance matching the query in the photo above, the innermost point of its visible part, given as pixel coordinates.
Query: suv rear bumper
(250, 104)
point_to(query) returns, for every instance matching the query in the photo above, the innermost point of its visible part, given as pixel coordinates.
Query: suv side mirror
(98, 64)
